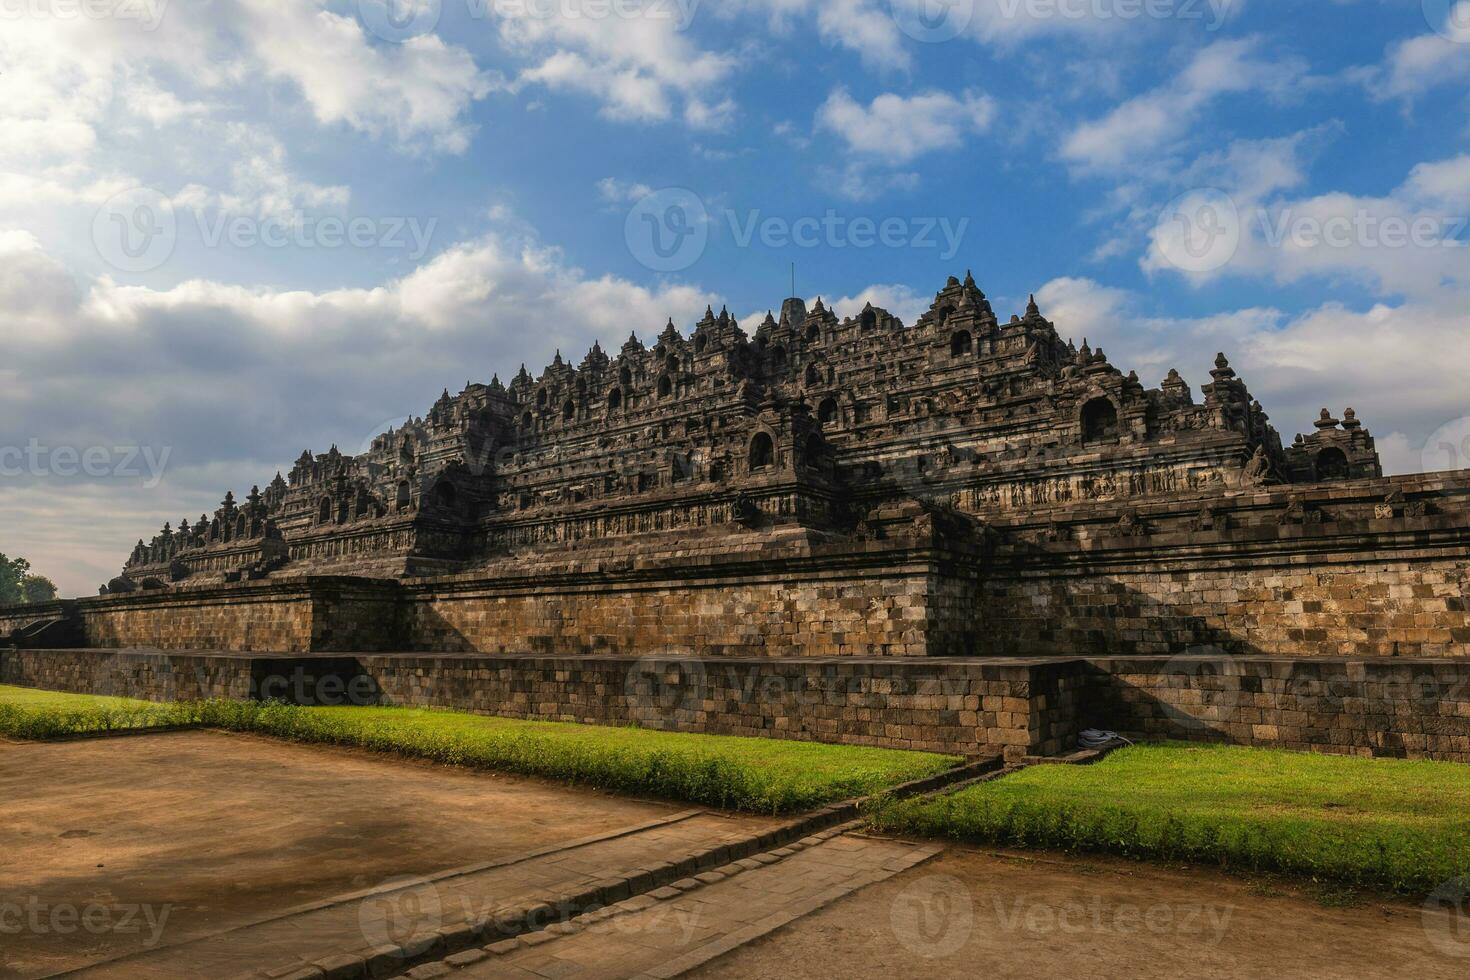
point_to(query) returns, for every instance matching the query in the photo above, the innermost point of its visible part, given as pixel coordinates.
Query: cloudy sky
(231, 230)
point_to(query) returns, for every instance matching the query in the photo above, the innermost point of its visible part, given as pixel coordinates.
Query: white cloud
(898, 299)
(1400, 366)
(260, 183)
(634, 58)
(224, 376)
(1415, 65)
(897, 129)
(411, 92)
(858, 180)
(1146, 123)
(1445, 183)
(621, 191)
(1410, 242)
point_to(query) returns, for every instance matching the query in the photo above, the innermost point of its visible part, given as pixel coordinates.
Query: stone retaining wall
(1349, 587)
(1402, 708)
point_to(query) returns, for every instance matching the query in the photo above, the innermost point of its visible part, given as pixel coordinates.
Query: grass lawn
(30, 713)
(1381, 823)
(752, 774)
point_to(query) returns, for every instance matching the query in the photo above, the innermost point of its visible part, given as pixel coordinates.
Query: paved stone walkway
(674, 929)
(419, 908)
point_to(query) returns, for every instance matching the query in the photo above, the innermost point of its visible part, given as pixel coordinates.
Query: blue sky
(1285, 181)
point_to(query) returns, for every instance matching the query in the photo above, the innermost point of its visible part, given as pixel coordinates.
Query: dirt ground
(971, 913)
(173, 835)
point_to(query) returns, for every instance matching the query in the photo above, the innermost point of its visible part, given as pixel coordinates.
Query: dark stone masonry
(971, 534)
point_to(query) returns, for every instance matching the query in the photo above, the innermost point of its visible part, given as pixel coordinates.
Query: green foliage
(33, 714)
(12, 573)
(752, 774)
(37, 588)
(17, 585)
(1385, 824)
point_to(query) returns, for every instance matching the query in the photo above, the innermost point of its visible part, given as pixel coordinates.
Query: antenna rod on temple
(793, 279)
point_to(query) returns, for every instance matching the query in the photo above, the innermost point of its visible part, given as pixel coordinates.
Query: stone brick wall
(878, 615)
(285, 616)
(1398, 708)
(847, 599)
(947, 706)
(254, 616)
(16, 617)
(1344, 608)
(930, 705)
(1350, 585)
(148, 676)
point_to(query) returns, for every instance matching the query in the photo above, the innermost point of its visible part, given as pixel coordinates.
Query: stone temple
(965, 532)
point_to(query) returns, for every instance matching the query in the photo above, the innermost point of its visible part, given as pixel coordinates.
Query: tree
(38, 588)
(12, 573)
(18, 585)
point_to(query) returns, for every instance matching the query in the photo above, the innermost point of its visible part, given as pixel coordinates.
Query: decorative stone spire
(1325, 420)
(1350, 419)
(1033, 312)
